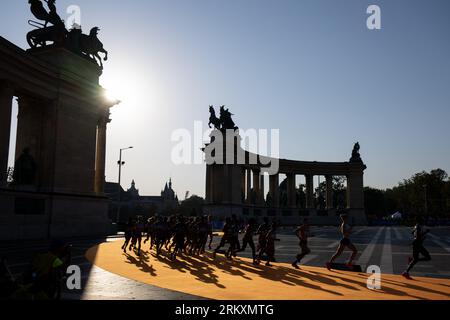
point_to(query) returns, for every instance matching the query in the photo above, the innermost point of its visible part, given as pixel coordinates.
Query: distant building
(132, 203)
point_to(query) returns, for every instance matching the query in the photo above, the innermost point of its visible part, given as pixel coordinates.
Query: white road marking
(425, 266)
(437, 240)
(308, 258)
(333, 245)
(368, 251)
(407, 253)
(386, 255)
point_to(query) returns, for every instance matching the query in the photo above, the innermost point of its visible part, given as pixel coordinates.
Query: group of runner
(176, 234)
(190, 236)
(266, 233)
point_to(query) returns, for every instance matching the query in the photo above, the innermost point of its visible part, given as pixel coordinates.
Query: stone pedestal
(355, 193)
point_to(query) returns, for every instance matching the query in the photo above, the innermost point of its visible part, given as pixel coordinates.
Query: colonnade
(256, 189)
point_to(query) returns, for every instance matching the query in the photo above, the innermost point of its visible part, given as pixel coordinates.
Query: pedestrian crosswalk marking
(386, 256)
(308, 258)
(333, 245)
(367, 253)
(437, 240)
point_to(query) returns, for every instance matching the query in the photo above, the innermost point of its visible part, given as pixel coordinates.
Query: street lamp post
(121, 163)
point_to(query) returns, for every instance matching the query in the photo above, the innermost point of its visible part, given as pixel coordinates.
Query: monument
(239, 187)
(57, 186)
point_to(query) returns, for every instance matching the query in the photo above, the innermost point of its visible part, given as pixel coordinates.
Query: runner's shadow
(280, 274)
(412, 286)
(199, 269)
(316, 276)
(141, 263)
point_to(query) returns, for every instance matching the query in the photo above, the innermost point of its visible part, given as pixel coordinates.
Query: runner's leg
(339, 251)
(352, 247)
(416, 250)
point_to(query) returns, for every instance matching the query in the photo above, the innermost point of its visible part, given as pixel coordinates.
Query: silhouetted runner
(202, 229)
(302, 233)
(179, 238)
(225, 237)
(262, 231)
(345, 230)
(271, 237)
(249, 231)
(210, 231)
(418, 248)
(128, 234)
(137, 228)
(234, 238)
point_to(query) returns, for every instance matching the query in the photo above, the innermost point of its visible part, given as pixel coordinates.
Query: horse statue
(213, 120)
(90, 45)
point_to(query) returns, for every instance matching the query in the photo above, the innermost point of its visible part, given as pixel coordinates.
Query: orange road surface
(240, 280)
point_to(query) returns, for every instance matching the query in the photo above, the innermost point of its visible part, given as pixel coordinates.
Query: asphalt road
(386, 247)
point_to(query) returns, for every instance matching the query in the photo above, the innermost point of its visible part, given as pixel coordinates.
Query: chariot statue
(224, 122)
(43, 33)
(51, 28)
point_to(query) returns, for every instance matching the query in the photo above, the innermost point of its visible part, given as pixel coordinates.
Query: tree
(192, 206)
(424, 194)
(375, 202)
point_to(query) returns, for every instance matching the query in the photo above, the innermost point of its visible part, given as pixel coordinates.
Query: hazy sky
(309, 68)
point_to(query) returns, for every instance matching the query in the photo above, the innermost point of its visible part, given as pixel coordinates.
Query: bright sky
(310, 68)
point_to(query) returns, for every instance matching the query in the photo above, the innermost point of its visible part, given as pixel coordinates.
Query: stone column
(208, 194)
(218, 184)
(329, 195)
(243, 194)
(226, 192)
(309, 191)
(249, 186)
(100, 157)
(355, 190)
(262, 195)
(291, 198)
(256, 187)
(274, 181)
(6, 95)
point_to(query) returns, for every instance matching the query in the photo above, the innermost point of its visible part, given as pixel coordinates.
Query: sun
(117, 88)
(110, 95)
(134, 92)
